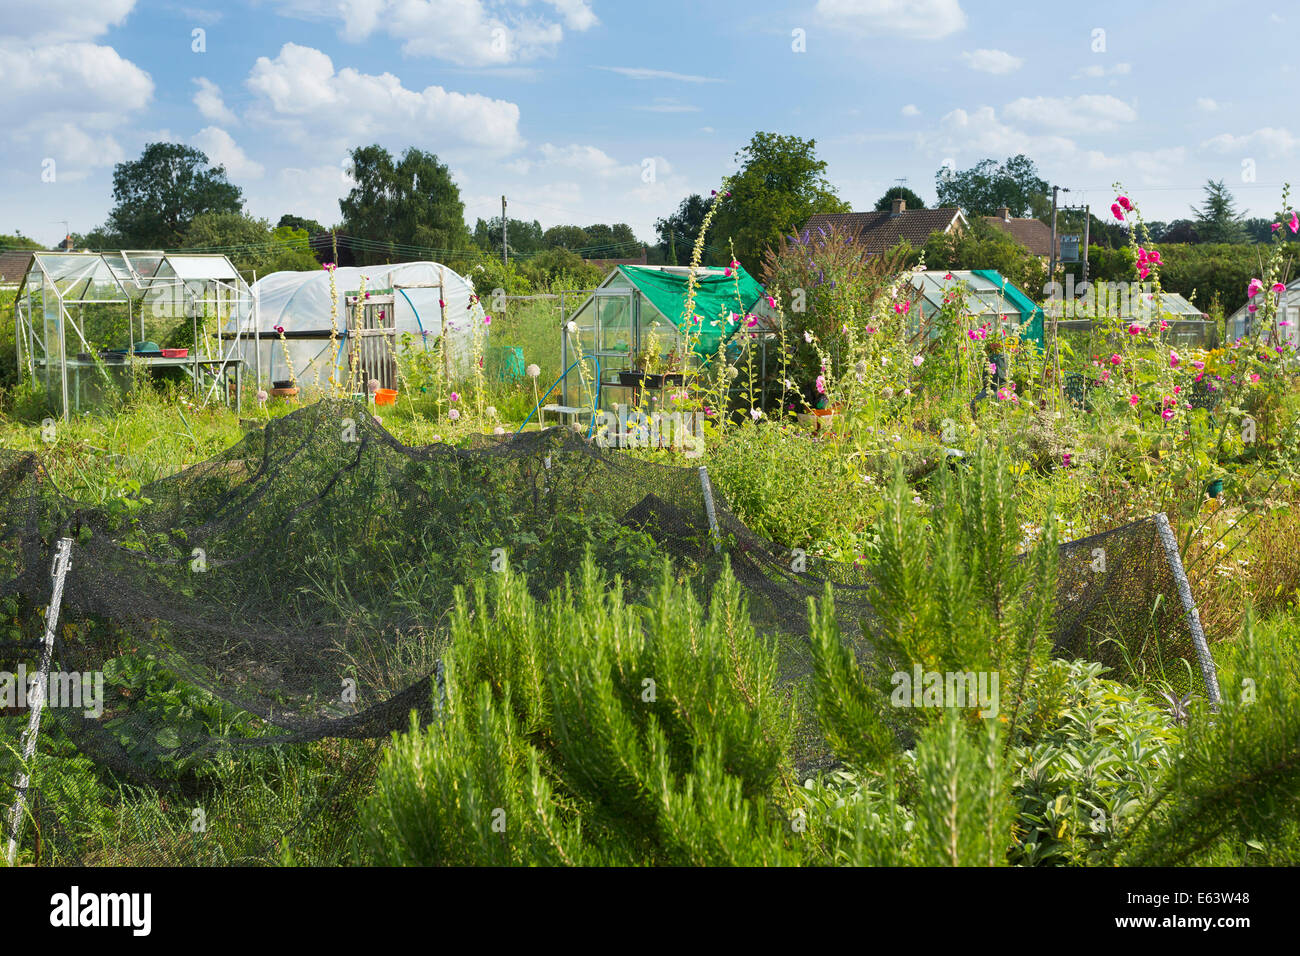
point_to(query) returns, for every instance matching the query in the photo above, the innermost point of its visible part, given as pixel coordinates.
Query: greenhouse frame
(307, 323)
(638, 315)
(77, 316)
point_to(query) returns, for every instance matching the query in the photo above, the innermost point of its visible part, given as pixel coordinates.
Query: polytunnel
(304, 323)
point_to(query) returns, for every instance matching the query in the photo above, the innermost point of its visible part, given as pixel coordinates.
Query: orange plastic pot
(386, 396)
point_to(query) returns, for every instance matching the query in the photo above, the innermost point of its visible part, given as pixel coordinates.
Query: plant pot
(631, 379)
(1215, 488)
(284, 383)
(284, 392)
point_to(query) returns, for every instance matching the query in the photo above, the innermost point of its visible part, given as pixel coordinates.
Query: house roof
(13, 265)
(881, 231)
(1034, 234)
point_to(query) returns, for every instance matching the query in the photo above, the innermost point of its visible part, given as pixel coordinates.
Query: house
(1287, 320)
(881, 231)
(13, 267)
(1034, 234)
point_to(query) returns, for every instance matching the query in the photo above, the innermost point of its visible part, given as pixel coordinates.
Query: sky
(586, 111)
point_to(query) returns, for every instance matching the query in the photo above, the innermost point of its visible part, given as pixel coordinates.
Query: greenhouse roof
(128, 274)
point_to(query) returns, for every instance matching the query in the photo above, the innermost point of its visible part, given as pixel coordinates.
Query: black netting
(294, 590)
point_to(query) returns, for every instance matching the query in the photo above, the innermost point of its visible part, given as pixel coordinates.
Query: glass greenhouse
(85, 321)
(636, 324)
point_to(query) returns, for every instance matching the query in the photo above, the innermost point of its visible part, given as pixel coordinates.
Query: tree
(987, 186)
(160, 194)
(18, 241)
(1217, 219)
(525, 237)
(250, 243)
(781, 184)
(397, 209)
(677, 232)
(566, 237)
(886, 202)
(610, 242)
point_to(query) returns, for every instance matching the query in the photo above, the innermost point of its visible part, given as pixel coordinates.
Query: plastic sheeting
(300, 303)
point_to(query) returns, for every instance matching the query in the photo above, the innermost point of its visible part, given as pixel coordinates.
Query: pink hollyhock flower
(1133, 400)
(752, 321)
(487, 320)
(1105, 376)
(917, 360)
(1143, 271)
(771, 302)
(1003, 395)
(1124, 201)
(948, 276)
(735, 264)
(808, 337)
(1134, 329)
(1295, 222)
(727, 273)
(1275, 227)
(1278, 287)
(1119, 213)
(1167, 414)
(1177, 389)
(1253, 288)
(442, 303)
(1254, 377)
(1153, 257)
(1196, 364)
(1174, 359)
(454, 414)
(1116, 359)
(455, 397)
(1164, 326)
(821, 385)
(1252, 308)
(1142, 254)
(993, 369)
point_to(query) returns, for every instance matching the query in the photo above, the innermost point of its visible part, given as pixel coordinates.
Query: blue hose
(423, 338)
(557, 382)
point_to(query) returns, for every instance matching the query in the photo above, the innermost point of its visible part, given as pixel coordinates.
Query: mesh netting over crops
(296, 588)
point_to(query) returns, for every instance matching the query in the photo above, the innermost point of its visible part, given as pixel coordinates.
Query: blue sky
(601, 111)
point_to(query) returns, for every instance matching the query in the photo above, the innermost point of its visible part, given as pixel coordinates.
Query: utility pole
(505, 232)
(1051, 261)
(1087, 221)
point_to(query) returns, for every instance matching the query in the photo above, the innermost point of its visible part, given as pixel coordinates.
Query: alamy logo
(634, 429)
(72, 689)
(953, 689)
(133, 910)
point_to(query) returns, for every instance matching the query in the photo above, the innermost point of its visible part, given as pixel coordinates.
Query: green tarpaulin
(1031, 316)
(717, 299)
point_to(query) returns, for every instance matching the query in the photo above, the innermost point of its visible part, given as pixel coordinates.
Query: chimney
(898, 207)
(1004, 214)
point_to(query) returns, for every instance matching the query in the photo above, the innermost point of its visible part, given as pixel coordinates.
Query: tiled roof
(1034, 234)
(13, 266)
(881, 231)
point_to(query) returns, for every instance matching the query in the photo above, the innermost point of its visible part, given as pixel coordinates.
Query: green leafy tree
(988, 186)
(886, 202)
(19, 241)
(780, 184)
(159, 195)
(1217, 218)
(250, 243)
(677, 232)
(402, 208)
(566, 237)
(525, 237)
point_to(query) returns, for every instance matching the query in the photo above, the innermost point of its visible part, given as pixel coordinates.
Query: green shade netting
(717, 299)
(1029, 312)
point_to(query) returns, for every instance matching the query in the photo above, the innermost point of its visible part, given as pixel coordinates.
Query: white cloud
(300, 92)
(60, 21)
(77, 151)
(1206, 105)
(1271, 141)
(910, 110)
(992, 61)
(465, 32)
(668, 105)
(1097, 71)
(211, 105)
(1079, 114)
(70, 78)
(222, 150)
(920, 19)
(645, 73)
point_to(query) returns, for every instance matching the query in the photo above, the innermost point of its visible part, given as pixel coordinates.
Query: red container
(175, 353)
